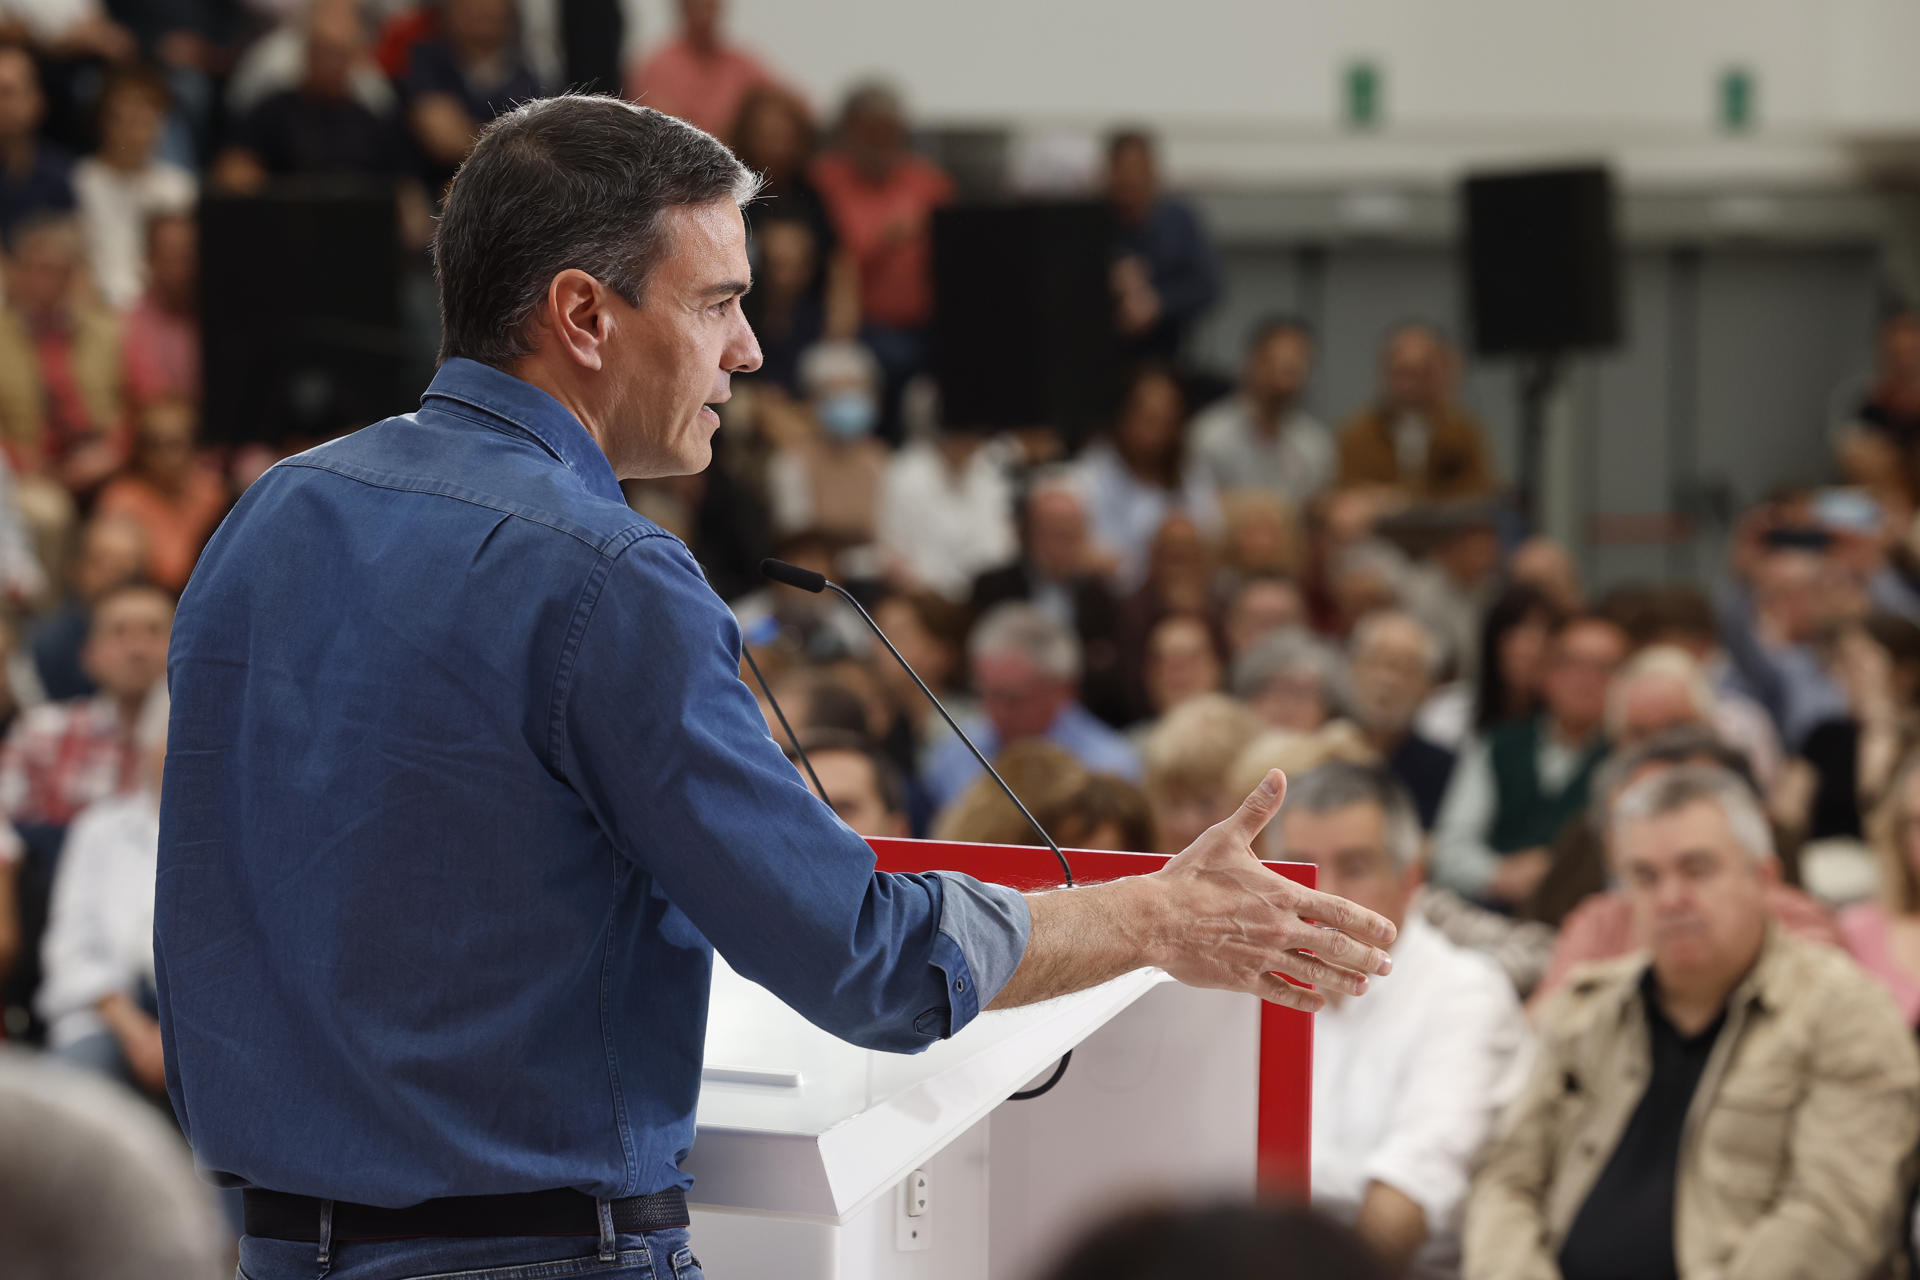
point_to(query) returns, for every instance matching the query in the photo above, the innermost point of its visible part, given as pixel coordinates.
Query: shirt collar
(510, 401)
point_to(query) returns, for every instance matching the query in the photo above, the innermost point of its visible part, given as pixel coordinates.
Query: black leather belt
(275, 1216)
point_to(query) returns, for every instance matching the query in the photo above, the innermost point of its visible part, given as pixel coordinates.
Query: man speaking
(463, 787)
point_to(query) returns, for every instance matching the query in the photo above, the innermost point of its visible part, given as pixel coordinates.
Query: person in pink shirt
(1883, 936)
(160, 337)
(175, 497)
(881, 197)
(697, 75)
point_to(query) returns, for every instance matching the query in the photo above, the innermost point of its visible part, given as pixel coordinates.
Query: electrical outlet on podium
(913, 1225)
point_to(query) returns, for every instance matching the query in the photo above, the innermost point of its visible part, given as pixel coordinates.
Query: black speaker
(1543, 258)
(1023, 315)
(301, 311)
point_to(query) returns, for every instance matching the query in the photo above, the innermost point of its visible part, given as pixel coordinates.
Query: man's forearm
(1393, 1224)
(1081, 938)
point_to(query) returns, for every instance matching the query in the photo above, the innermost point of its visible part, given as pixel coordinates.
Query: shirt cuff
(988, 924)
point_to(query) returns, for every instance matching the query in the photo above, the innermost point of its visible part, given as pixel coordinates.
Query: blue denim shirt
(462, 789)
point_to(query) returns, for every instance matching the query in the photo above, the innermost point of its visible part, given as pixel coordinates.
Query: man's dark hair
(888, 785)
(1130, 136)
(1227, 1242)
(569, 182)
(1267, 328)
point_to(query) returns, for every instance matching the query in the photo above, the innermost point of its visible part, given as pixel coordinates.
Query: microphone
(792, 575)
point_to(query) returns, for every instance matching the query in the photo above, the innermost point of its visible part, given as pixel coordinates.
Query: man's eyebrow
(729, 289)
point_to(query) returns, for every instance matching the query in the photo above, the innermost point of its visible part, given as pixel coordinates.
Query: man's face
(1698, 898)
(1653, 704)
(112, 551)
(1181, 663)
(1391, 674)
(1278, 368)
(1416, 371)
(1291, 700)
(1020, 700)
(676, 352)
(855, 794)
(479, 24)
(334, 40)
(1056, 534)
(21, 105)
(1580, 662)
(1350, 847)
(126, 652)
(1261, 608)
(1131, 182)
(41, 281)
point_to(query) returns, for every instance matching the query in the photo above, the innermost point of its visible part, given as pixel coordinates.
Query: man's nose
(743, 352)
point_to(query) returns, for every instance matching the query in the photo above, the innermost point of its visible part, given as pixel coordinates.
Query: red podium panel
(1285, 1141)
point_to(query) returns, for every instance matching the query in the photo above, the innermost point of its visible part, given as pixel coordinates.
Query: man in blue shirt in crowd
(463, 788)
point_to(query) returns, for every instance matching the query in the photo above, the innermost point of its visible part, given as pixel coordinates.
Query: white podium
(816, 1159)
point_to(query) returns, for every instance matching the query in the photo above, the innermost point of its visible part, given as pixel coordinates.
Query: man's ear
(579, 312)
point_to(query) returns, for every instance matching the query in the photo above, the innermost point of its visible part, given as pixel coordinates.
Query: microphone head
(792, 575)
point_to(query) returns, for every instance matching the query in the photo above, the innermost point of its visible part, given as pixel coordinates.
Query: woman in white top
(122, 185)
(1139, 477)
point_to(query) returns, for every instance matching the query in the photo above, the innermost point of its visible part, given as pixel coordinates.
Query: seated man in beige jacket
(1731, 1102)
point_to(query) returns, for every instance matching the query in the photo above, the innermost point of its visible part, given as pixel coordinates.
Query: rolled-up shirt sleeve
(653, 727)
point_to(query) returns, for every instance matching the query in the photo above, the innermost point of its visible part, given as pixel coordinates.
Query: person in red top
(176, 498)
(697, 75)
(881, 197)
(160, 337)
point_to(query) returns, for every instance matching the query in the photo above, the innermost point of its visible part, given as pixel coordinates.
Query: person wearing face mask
(828, 477)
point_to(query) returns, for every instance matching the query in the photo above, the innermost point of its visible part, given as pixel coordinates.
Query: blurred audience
(97, 989)
(1845, 762)
(1262, 437)
(1732, 1101)
(74, 1149)
(1059, 570)
(110, 552)
(1259, 606)
(1290, 680)
(36, 174)
(1140, 475)
(160, 335)
(1188, 756)
(697, 74)
(1415, 438)
(60, 375)
(176, 497)
(471, 71)
(1165, 274)
(1515, 788)
(1026, 672)
(125, 183)
(882, 197)
(1409, 1079)
(320, 124)
(827, 475)
(1267, 1241)
(946, 511)
(1392, 660)
(1512, 658)
(1883, 934)
(1579, 895)
(863, 786)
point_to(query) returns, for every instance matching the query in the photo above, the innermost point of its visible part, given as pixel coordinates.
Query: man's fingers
(1251, 818)
(1275, 989)
(1329, 977)
(1344, 952)
(1338, 913)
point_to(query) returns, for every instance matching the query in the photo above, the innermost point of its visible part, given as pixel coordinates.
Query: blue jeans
(657, 1255)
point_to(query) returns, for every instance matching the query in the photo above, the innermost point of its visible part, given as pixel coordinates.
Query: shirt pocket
(1744, 1137)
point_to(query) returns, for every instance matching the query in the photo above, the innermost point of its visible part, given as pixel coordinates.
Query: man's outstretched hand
(1231, 923)
(1212, 917)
